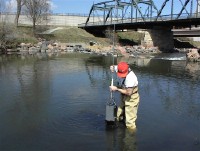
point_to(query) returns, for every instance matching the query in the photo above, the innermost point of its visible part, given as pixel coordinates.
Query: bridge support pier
(159, 37)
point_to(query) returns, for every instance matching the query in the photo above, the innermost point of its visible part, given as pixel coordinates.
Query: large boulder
(193, 55)
(33, 50)
(50, 47)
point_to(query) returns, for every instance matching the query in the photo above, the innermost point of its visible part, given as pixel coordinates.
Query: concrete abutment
(159, 37)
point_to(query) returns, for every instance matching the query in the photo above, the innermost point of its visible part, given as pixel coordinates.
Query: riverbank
(44, 46)
(73, 39)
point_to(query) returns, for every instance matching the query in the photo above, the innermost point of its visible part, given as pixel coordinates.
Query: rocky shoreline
(51, 48)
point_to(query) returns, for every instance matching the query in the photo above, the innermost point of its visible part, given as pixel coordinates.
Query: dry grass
(75, 35)
(132, 36)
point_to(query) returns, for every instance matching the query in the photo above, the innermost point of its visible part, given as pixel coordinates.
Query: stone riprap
(47, 47)
(193, 55)
(57, 47)
(52, 47)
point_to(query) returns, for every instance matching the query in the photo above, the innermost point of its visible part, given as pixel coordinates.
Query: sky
(84, 6)
(77, 6)
(63, 6)
(73, 6)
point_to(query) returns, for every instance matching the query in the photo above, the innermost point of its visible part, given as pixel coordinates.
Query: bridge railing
(140, 19)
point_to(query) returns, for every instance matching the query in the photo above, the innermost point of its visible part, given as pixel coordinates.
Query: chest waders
(111, 107)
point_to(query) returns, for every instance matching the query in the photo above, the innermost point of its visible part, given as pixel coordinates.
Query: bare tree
(5, 28)
(20, 4)
(2, 6)
(2, 34)
(37, 11)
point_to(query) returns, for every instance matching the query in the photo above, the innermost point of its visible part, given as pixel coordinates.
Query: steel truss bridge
(144, 14)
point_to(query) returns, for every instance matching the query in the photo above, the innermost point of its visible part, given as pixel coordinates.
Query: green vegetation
(186, 42)
(70, 35)
(195, 43)
(74, 35)
(24, 34)
(130, 37)
(11, 36)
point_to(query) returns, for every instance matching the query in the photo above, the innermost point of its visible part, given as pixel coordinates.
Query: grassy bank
(24, 34)
(11, 36)
(70, 35)
(74, 35)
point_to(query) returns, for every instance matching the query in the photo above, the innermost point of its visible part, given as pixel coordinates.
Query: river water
(58, 103)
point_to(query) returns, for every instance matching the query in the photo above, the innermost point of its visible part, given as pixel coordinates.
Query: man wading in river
(128, 87)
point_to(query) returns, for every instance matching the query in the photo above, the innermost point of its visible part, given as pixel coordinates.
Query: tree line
(37, 11)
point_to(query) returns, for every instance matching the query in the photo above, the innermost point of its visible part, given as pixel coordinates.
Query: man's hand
(113, 88)
(112, 68)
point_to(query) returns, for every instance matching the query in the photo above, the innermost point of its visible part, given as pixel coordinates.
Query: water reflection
(175, 83)
(96, 68)
(193, 69)
(121, 139)
(169, 96)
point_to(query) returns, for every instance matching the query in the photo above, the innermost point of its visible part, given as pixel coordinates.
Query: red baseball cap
(122, 68)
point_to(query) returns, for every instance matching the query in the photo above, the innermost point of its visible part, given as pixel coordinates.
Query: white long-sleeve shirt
(130, 80)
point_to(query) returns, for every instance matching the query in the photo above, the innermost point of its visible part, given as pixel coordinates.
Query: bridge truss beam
(130, 11)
